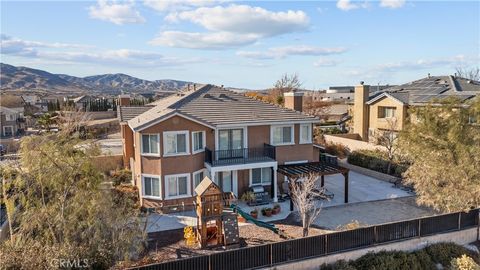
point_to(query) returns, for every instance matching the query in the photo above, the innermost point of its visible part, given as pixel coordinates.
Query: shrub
(338, 265)
(464, 263)
(377, 161)
(121, 176)
(443, 253)
(392, 260)
(336, 149)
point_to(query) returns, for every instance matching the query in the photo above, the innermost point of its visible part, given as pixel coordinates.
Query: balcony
(240, 156)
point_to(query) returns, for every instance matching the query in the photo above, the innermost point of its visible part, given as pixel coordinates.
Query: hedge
(426, 258)
(377, 161)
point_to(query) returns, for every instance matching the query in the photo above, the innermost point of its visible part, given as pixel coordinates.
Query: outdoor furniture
(324, 194)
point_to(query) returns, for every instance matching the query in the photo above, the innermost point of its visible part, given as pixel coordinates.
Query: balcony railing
(240, 156)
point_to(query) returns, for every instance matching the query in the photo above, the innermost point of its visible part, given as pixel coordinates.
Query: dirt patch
(170, 245)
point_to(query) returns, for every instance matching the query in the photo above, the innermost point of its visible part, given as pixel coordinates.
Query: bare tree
(304, 193)
(388, 139)
(468, 73)
(287, 83)
(318, 108)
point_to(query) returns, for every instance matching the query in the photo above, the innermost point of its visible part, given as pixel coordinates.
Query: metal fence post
(420, 227)
(271, 254)
(459, 221)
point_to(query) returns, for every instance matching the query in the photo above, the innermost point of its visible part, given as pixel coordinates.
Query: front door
(230, 143)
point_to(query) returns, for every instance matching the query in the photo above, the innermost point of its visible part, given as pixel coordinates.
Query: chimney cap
(362, 82)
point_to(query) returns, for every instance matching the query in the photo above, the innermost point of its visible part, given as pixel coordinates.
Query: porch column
(323, 180)
(346, 186)
(275, 184)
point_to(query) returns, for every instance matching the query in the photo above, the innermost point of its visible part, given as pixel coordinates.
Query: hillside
(24, 79)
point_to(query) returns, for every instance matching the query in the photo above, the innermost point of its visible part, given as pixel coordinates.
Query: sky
(244, 44)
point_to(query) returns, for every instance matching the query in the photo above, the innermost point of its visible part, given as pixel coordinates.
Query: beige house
(173, 143)
(388, 109)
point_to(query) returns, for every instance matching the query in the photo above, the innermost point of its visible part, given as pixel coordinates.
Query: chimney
(360, 111)
(194, 87)
(123, 100)
(294, 101)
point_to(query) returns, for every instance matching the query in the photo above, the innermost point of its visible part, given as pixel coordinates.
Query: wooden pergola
(320, 168)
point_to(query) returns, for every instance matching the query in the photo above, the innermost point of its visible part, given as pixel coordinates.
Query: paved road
(373, 212)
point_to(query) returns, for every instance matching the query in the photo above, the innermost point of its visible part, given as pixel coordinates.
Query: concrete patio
(362, 188)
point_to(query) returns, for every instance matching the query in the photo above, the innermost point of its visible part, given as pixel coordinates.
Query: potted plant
(248, 197)
(267, 211)
(276, 209)
(254, 213)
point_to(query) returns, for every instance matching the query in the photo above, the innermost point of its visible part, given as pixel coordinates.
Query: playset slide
(259, 223)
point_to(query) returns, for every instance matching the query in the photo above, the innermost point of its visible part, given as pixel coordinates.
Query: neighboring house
(12, 122)
(239, 142)
(378, 110)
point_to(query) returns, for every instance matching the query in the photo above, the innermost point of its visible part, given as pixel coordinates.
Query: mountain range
(28, 79)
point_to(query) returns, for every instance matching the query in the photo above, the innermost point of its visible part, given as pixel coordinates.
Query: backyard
(372, 201)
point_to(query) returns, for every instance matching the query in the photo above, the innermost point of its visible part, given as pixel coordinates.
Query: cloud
(116, 13)
(282, 52)
(231, 26)
(169, 5)
(217, 40)
(423, 64)
(322, 62)
(75, 53)
(392, 3)
(347, 5)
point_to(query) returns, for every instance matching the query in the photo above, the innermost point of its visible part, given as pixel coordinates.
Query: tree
(45, 121)
(317, 107)
(443, 144)
(63, 213)
(287, 83)
(388, 138)
(471, 74)
(304, 193)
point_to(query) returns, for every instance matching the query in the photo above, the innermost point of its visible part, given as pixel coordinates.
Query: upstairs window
(198, 141)
(282, 135)
(306, 133)
(386, 112)
(150, 144)
(175, 143)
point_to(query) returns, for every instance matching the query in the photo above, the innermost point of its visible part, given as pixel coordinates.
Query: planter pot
(276, 210)
(268, 213)
(254, 214)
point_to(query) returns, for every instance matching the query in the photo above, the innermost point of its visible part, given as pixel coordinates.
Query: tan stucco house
(388, 109)
(173, 143)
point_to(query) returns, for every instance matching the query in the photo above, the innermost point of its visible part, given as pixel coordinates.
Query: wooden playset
(216, 225)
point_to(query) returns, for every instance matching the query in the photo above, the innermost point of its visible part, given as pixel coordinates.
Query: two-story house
(388, 108)
(12, 122)
(237, 141)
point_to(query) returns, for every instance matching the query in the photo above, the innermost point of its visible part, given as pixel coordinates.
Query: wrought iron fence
(321, 245)
(239, 156)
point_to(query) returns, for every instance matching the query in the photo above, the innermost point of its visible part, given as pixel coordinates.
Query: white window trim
(187, 143)
(193, 178)
(158, 145)
(189, 185)
(204, 142)
(272, 127)
(159, 186)
(261, 183)
(245, 135)
(13, 133)
(310, 135)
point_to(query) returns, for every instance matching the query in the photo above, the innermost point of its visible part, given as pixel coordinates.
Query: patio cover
(320, 168)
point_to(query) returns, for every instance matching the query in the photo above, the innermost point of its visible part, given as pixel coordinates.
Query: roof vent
(207, 96)
(222, 96)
